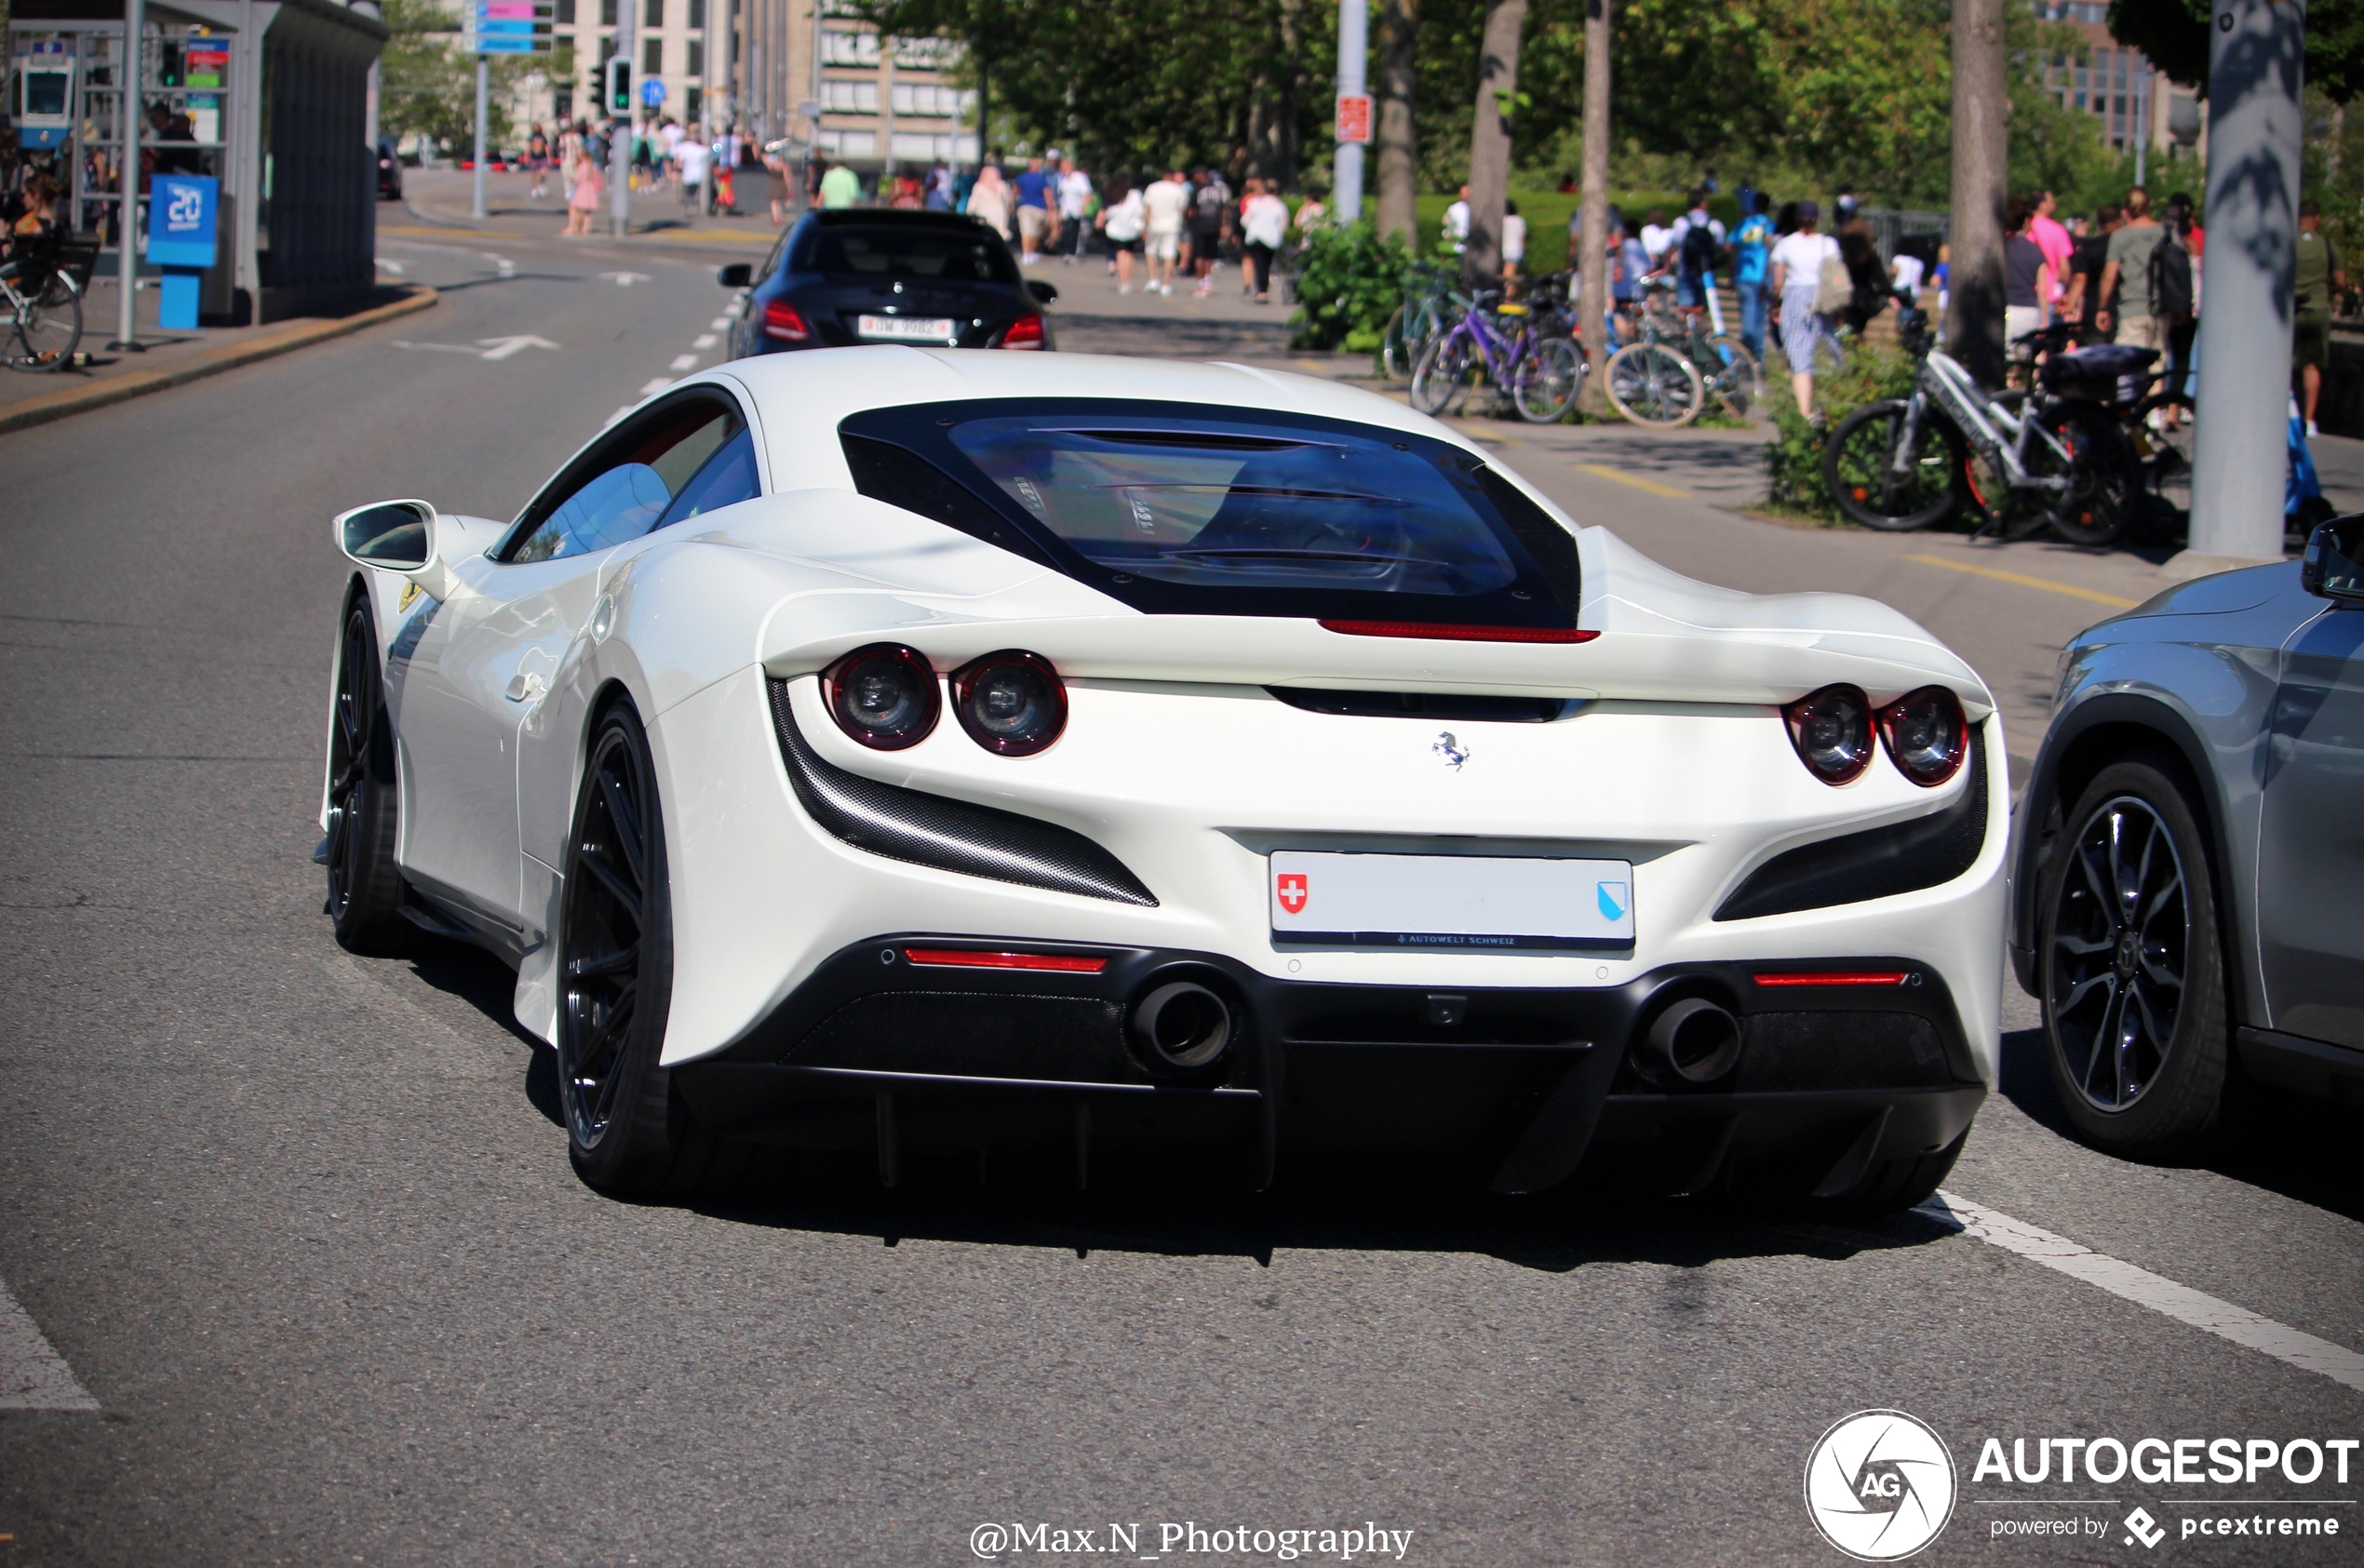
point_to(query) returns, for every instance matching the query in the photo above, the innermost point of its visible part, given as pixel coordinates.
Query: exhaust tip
(1183, 1024)
(1695, 1040)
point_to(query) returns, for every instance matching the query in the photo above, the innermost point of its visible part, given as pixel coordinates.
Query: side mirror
(737, 274)
(1048, 294)
(397, 536)
(2334, 565)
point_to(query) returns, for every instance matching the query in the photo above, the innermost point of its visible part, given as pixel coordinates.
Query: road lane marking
(720, 323)
(397, 268)
(503, 348)
(1635, 479)
(704, 339)
(438, 348)
(33, 1375)
(625, 280)
(657, 385)
(683, 362)
(2144, 1288)
(2027, 581)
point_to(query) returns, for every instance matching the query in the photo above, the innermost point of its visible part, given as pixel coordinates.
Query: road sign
(651, 91)
(511, 26)
(1354, 117)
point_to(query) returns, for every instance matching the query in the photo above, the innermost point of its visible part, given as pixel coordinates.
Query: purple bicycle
(1540, 371)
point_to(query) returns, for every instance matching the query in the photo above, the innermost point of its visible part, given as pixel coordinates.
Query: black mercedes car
(876, 275)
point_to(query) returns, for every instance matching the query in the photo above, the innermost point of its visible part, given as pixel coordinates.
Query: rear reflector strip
(1458, 634)
(970, 958)
(1837, 977)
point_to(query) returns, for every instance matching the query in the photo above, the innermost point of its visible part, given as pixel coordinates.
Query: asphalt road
(302, 1226)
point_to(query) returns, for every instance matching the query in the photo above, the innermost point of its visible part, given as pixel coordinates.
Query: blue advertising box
(182, 209)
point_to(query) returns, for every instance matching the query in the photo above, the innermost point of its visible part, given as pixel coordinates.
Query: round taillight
(1925, 735)
(1831, 729)
(1011, 703)
(883, 695)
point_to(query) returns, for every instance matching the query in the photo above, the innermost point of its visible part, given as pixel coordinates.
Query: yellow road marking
(2027, 582)
(1635, 479)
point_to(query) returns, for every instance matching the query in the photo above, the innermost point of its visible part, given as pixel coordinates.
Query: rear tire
(1738, 384)
(627, 1132)
(1441, 380)
(1548, 391)
(364, 794)
(2129, 966)
(1858, 467)
(2099, 508)
(1651, 384)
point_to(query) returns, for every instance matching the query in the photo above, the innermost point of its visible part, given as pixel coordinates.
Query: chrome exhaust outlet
(1695, 1040)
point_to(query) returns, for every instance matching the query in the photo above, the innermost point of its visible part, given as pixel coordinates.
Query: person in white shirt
(1164, 203)
(1264, 223)
(1797, 273)
(691, 158)
(1123, 224)
(1456, 223)
(1908, 274)
(1655, 237)
(1513, 239)
(1075, 197)
(1692, 262)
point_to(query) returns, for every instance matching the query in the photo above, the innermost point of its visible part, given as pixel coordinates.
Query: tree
(1398, 148)
(2174, 35)
(1982, 150)
(1592, 265)
(1498, 87)
(428, 82)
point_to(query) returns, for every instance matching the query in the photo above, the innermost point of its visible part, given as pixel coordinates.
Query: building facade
(2135, 102)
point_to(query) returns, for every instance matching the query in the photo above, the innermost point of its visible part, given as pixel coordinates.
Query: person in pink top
(2051, 236)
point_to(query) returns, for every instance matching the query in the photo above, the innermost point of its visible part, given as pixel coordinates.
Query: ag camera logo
(1880, 1486)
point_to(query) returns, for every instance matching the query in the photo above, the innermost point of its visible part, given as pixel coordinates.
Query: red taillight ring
(783, 321)
(1845, 756)
(1028, 677)
(895, 665)
(1024, 332)
(1892, 718)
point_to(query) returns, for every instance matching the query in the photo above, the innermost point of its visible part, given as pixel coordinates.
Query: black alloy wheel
(365, 888)
(2132, 983)
(615, 963)
(1870, 487)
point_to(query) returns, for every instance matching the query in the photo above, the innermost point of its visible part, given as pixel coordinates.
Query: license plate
(909, 328)
(1451, 902)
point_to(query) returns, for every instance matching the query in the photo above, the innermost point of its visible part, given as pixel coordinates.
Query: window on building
(849, 48)
(927, 54)
(652, 15)
(565, 13)
(652, 58)
(697, 16)
(607, 13)
(697, 103)
(695, 65)
(850, 98)
(930, 99)
(607, 53)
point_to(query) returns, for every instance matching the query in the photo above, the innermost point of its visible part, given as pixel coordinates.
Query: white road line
(704, 339)
(33, 1375)
(2145, 1289)
(683, 362)
(659, 384)
(721, 324)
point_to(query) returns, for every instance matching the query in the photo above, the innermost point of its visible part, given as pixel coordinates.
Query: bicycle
(1650, 381)
(1541, 374)
(43, 303)
(1418, 321)
(2064, 458)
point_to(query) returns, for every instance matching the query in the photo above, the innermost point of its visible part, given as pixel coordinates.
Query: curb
(212, 362)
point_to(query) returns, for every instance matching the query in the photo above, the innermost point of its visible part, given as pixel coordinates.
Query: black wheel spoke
(627, 825)
(2121, 928)
(618, 888)
(626, 959)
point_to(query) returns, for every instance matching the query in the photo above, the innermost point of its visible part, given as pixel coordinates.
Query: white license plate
(1450, 903)
(909, 328)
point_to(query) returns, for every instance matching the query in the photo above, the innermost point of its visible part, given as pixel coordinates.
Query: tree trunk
(1490, 137)
(1284, 130)
(1593, 237)
(1397, 146)
(1981, 151)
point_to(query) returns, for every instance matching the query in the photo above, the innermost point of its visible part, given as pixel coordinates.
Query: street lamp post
(126, 259)
(1354, 24)
(619, 148)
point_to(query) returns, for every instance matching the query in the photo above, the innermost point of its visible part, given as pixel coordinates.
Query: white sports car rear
(931, 751)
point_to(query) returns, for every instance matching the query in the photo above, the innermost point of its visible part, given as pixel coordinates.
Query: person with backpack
(1752, 252)
(2125, 276)
(1694, 247)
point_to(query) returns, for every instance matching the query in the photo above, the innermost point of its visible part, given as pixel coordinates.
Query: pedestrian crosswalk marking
(33, 1375)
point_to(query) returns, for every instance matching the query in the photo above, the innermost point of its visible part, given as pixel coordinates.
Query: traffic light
(619, 86)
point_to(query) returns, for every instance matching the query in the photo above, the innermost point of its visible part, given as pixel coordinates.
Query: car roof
(893, 218)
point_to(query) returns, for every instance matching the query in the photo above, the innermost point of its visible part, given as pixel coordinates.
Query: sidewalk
(437, 202)
(172, 358)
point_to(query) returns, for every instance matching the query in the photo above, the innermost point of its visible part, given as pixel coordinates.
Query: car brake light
(1831, 729)
(1836, 977)
(883, 695)
(1458, 634)
(1011, 703)
(782, 319)
(1024, 332)
(1925, 735)
(970, 958)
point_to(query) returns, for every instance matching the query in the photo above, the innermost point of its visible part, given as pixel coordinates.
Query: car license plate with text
(909, 328)
(1450, 903)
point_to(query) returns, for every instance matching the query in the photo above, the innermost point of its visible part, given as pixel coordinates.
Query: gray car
(2188, 888)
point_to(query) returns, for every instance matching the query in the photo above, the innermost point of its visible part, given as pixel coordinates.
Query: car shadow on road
(2299, 1147)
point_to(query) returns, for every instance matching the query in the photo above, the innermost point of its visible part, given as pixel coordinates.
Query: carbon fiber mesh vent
(907, 825)
(1902, 858)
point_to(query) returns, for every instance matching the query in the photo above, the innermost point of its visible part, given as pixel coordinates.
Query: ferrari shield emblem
(1293, 891)
(410, 592)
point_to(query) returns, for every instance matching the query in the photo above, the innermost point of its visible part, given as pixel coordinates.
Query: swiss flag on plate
(1293, 891)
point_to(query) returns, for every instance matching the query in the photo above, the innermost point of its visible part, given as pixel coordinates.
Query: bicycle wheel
(1548, 390)
(1738, 381)
(43, 333)
(1444, 375)
(1871, 487)
(1408, 332)
(1650, 384)
(2102, 473)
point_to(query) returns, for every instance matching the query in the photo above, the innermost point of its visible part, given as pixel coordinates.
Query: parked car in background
(871, 275)
(2189, 896)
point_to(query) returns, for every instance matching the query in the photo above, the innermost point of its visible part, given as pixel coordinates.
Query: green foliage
(429, 81)
(1352, 282)
(1794, 457)
(2174, 35)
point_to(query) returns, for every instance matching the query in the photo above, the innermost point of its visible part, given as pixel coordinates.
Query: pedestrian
(939, 197)
(1310, 212)
(2320, 278)
(1121, 223)
(1656, 237)
(1905, 274)
(1694, 245)
(584, 187)
(1844, 210)
(1751, 263)
(2125, 276)
(1456, 223)
(1209, 210)
(1800, 262)
(1075, 208)
(1513, 240)
(2052, 237)
(1264, 223)
(1036, 217)
(840, 187)
(2027, 276)
(537, 161)
(1165, 204)
(989, 200)
(2083, 304)
(691, 159)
